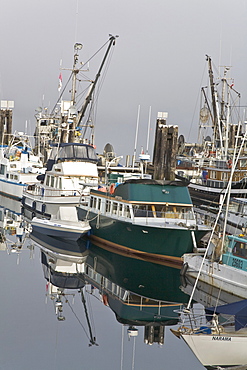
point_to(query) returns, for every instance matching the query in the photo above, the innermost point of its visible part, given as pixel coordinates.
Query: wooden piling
(165, 150)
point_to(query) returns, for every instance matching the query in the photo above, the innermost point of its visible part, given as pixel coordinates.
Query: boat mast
(75, 71)
(92, 338)
(211, 80)
(217, 133)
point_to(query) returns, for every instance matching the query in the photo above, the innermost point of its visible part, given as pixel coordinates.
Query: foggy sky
(158, 59)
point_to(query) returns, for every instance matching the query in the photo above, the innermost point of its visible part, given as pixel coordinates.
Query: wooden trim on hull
(175, 262)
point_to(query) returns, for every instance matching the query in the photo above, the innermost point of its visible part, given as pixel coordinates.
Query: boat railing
(152, 217)
(46, 192)
(124, 295)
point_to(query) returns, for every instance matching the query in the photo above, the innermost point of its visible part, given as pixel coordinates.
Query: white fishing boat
(224, 263)
(228, 274)
(71, 173)
(19, 167)
(218, 336)
(65, 225)
(72, 164)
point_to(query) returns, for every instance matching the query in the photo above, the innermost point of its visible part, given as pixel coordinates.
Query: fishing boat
(236, 216)
(63, 136)
(19, 167)
(144, 216)
(228, 271)
(65, 225)
(220, 136)
(218, 337)
(71, 173)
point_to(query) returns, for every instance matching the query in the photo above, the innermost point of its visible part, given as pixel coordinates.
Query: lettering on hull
(222, 338)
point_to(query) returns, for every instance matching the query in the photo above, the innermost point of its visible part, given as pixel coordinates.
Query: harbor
(123, 185)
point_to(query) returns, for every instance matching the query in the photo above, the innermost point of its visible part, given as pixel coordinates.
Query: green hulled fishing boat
(148, 217)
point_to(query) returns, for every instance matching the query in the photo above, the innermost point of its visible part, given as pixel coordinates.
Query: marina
(123, 234)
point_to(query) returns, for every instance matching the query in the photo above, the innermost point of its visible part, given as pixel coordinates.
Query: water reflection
(103, 291)
(138, 292)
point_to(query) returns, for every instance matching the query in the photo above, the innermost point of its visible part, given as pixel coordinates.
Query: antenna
(149, 120)
(137, 125)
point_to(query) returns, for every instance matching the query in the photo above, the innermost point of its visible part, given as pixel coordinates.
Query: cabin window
(91, 202)
(94, 202)
(142, 210)
(13, 166)
(240, 250)
(213, 175)
(243, 163)
(2, 168)
(224, 176)
(114, 208)
(127, 211)
(60, 182)
(108, 206)
(120, 212)
(99, 203)
(47, 180)
(52, 181)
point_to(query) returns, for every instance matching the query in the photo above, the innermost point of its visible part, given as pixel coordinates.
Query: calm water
(33, 338)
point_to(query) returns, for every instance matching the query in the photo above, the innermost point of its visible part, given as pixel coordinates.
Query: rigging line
(67, 301)
(227, 207)
(61, 93)
(197, 100)
(234, 164)
(97, 92)
(97, 52)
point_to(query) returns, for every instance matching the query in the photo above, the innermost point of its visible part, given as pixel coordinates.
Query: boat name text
(222, 338)
(237, 263)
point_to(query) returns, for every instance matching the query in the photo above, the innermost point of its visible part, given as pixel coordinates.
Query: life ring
(105, 299)
(112, 188)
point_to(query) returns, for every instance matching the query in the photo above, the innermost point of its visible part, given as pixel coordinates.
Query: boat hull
(218, 350)
(221, 276)
(47, 206)
(11, 189)
(165, 240)
(61, 229)
(63, 248)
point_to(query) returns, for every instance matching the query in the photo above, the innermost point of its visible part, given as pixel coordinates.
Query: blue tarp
(238, 309)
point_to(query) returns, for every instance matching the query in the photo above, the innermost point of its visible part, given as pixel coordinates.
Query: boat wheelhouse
(19, 167)
(71, 173)
(144, 215)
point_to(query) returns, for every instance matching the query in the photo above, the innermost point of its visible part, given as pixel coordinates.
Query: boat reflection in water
(138, 292)
(13, 229)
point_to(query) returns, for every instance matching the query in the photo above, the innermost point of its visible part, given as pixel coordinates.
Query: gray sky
(158, 60)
